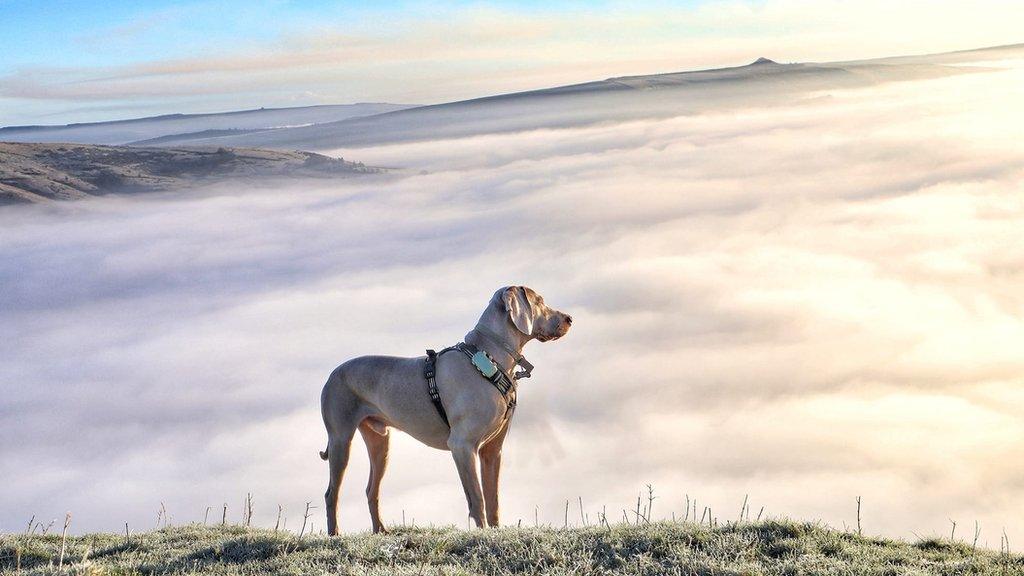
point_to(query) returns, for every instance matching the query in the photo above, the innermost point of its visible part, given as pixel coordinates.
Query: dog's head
(531, 316)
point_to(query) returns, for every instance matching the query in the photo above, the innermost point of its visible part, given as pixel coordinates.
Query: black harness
(504, 383)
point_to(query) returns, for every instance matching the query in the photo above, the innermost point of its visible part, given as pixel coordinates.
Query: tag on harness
(484, 364)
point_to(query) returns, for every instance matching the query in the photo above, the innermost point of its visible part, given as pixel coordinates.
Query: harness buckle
(527, 368)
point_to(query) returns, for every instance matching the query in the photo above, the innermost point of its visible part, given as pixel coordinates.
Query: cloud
(803, 302)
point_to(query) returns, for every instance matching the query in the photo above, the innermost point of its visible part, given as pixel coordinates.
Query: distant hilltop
(39, 172)
(167, 126)
(621, 98)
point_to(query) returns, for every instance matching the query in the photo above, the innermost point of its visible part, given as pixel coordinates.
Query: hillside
(172, 127)
(763, 82)
(43, 172)
(758, 548)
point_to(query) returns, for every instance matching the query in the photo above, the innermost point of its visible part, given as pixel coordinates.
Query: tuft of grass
(771, 547)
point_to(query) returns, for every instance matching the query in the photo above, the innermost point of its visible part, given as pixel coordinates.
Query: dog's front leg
(465, 454)
(490, 470)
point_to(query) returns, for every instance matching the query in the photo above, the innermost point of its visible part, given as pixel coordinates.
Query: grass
(771, 547)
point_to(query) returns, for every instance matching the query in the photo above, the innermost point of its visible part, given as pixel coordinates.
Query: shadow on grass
(244, 550)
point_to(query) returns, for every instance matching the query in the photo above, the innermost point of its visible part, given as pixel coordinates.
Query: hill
(44, 172)
(749, 548)
(191, 126)
(763, 83)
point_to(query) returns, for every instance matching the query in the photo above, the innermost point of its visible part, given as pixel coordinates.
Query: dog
(375, 393)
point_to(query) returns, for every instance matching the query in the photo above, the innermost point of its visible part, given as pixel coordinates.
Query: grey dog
(374, 393)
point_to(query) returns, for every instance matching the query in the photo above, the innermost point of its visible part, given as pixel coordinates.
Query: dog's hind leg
(341, 411)
(337, 456)
(377, 445)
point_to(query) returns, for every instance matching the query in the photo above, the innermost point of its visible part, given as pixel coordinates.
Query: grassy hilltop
(750, 548)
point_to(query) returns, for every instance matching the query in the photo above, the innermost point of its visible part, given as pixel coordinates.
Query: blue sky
(84, 61)
(98, 33)
(107, 33)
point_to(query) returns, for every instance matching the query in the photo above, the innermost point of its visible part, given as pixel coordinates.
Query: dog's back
(389, 389)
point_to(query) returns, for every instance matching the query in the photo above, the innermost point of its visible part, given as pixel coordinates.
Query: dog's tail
(323, 454)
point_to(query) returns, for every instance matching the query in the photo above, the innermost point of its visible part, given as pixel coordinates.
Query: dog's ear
(519, 308)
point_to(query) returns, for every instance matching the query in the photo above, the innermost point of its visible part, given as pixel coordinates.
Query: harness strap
(505, 384)
(429, 371)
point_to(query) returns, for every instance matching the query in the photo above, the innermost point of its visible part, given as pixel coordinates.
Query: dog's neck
(503, 344)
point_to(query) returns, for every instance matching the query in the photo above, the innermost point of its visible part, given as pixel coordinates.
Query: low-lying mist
(805, 303)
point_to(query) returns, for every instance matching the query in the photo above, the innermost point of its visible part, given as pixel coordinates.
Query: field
(750, 548)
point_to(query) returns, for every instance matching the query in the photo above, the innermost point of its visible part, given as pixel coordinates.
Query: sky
(73, 61)
(801, 300)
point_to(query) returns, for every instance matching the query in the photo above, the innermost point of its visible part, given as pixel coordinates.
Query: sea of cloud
(804, 303)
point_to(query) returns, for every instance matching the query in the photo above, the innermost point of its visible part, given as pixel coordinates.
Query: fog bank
(805, 303)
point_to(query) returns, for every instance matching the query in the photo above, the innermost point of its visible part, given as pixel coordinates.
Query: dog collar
(520, 360)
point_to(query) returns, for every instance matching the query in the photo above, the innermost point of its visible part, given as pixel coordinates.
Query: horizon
(81, 64)
(757, 60)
